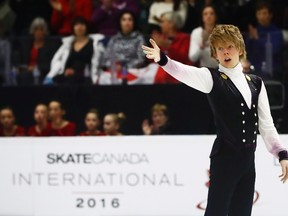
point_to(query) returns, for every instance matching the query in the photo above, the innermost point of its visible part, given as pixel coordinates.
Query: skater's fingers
(153, 43)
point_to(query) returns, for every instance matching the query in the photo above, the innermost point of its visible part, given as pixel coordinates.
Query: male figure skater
(240, 106)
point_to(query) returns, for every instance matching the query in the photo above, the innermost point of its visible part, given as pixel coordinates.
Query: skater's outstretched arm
(198, 78)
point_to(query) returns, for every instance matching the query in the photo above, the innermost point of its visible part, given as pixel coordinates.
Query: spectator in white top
(77, 60)
(160, 7)
(199, 50)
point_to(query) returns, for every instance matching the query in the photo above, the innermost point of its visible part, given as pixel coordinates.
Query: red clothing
(68, 130)
(20, 131)
(178, 50)
(33, 57)
(86, 133)
(61, 20)
(33, 132)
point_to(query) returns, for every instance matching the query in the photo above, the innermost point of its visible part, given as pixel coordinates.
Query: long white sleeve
(266, 125)
(197, 78)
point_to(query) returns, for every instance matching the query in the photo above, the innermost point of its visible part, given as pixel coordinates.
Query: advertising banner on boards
(129, 175)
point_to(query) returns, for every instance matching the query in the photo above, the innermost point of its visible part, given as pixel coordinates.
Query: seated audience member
(160, 7)
(105, 18)
(77, 60)
(199, 47)
(59, 125)
(265, 44)
(92, 123)
(8, 127)
(124, 48)
(65, 11)
(112, 124)
(42, 126)
(130, 5)
(34, 53)
(160, 121)
(173, 43)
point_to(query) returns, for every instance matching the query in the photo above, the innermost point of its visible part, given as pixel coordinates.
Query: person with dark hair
(92, 123)
(65, 11)
(59, 125)
(160, 121)
(265, 44)
(42, 126)
(240, 106)
(105, 18)
(112, 123)
(77, 60)
(8, 126)
(121, 47)
(199, 50)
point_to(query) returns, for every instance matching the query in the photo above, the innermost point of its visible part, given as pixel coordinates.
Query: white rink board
(116, 176)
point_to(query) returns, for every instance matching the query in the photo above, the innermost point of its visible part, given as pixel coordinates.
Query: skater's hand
(152, 53)
(284, 175)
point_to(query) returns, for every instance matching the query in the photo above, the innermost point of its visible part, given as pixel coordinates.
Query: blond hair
(160, 108)
(118, 118)
(227, 33)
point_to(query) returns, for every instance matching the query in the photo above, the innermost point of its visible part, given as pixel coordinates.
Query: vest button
(255, 114)
(253, 105)
(243, 113)
(255, 132)
(253, 141)
(256, 123)
(244, 131)
(244, 140)
(243, 122)
(242, 104)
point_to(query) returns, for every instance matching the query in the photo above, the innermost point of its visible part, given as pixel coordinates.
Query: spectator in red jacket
(64, 11)
(8, 127)
(172, 42)
(42, 126)
(92, 123)
(59, 125)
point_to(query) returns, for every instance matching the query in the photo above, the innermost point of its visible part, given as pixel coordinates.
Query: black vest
(236, 124)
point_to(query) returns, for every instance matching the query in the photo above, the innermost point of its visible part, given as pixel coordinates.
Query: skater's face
(227, 54)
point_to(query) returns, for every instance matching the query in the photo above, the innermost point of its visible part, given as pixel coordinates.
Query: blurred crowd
(50, 120)
(54, 42)
(98, 42)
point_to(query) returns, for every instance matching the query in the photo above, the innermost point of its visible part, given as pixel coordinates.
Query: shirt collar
(232, 72)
